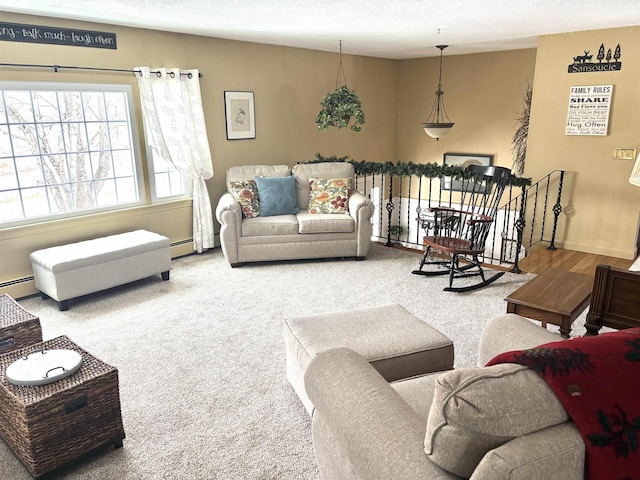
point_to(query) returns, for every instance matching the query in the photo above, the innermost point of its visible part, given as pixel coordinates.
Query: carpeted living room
(201, 358)
(252, 277)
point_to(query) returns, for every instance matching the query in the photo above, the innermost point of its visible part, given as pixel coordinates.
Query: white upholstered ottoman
(396, 343)
(69, 271)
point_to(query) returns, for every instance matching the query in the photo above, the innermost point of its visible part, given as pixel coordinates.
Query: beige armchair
(490, 423)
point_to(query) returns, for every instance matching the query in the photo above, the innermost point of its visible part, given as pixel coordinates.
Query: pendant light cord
(440, 77)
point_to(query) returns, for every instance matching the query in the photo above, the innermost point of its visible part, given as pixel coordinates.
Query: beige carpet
(201, 358)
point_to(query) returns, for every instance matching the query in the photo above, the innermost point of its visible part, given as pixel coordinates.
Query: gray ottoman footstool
(396, 343)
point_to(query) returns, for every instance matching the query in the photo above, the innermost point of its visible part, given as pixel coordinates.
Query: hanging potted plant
(339, 106)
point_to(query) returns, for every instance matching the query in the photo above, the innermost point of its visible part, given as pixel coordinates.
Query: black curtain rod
(70, 67)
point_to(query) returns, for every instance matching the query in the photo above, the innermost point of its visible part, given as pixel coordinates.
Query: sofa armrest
(358, 201)
(229, 215)
(556, 452)
(361, 427)
(510, 332)
(361, 209)
(228, 204)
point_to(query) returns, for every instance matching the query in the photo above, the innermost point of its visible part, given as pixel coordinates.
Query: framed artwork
(462, 160)
(240, 115)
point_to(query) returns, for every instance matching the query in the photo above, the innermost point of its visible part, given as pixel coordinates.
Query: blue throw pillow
(277, 195)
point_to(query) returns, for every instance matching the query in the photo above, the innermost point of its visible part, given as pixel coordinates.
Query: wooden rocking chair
(460, 234)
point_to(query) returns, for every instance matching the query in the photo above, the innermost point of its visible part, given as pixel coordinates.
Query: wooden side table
(555, 297)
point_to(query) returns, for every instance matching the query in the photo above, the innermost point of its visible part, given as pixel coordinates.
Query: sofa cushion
(553, 453)
(304, 171)
(418, 392)
(274, 225)
(478, 409)
(329, 195)
(277, 195)
(248, 172)
(324, 223)
(246, 193)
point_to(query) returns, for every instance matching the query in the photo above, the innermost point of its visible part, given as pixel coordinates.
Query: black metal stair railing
(535, 204)
(399, 199)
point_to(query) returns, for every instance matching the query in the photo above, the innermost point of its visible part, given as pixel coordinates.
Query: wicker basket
(49, 425)
(18, 328)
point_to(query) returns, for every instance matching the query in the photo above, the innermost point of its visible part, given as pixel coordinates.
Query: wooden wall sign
(15, 32)
(584, 63)
(589, 107)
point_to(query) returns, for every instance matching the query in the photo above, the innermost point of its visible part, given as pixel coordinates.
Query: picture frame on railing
(240, 115)
(462, 160)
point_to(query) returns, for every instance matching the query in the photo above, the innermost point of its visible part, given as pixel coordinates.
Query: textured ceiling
(380, 28)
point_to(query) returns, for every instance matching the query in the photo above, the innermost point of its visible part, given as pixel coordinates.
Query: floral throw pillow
(329, 195)
(246, 193)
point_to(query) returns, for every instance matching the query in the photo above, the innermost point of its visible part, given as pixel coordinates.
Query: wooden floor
(539, 260)
(542, 259)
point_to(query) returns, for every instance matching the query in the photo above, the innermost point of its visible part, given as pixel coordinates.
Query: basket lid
(43, 366)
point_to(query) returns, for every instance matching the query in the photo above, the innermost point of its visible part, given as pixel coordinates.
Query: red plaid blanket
(597, 379)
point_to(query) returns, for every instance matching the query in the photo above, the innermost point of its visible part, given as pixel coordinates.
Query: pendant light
(438, 123)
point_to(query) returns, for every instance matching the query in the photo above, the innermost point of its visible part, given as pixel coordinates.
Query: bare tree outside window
(64, 151)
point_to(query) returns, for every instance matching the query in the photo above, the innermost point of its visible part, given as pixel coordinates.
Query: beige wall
(601, 207)
(483, 93)
(288, 84)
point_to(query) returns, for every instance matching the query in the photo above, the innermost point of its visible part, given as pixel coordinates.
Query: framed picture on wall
(240, 115)
(462, 160)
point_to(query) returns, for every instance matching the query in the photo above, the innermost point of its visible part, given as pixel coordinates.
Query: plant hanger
(339, 106)
(341, 71)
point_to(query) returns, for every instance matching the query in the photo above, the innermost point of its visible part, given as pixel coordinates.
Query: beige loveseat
(485, 423)
(246, 235)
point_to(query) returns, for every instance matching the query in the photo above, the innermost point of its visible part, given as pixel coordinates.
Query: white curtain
(172, 110)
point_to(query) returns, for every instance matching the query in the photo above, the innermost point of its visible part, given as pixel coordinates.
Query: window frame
(29, 86)
(186, 183)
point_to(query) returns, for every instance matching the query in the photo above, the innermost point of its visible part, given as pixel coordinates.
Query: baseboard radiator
(17, 281)
(181, 242)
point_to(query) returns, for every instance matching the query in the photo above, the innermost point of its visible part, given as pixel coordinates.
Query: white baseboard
(19, 290)
(597, 250)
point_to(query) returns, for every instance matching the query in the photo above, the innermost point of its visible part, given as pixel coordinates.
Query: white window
(66, 150)
(166, 182)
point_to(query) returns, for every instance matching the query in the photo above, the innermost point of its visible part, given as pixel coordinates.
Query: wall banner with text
(589, 107)
(15, 32)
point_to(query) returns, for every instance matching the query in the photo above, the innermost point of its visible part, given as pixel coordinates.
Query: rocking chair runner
(462, 233)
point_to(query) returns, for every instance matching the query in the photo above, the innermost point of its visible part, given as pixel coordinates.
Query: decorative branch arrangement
(521, 134)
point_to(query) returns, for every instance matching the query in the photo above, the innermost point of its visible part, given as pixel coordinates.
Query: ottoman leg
(165, 276)
(63, 305)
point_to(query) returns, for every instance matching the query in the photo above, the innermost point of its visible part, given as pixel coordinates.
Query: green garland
(400, 169)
